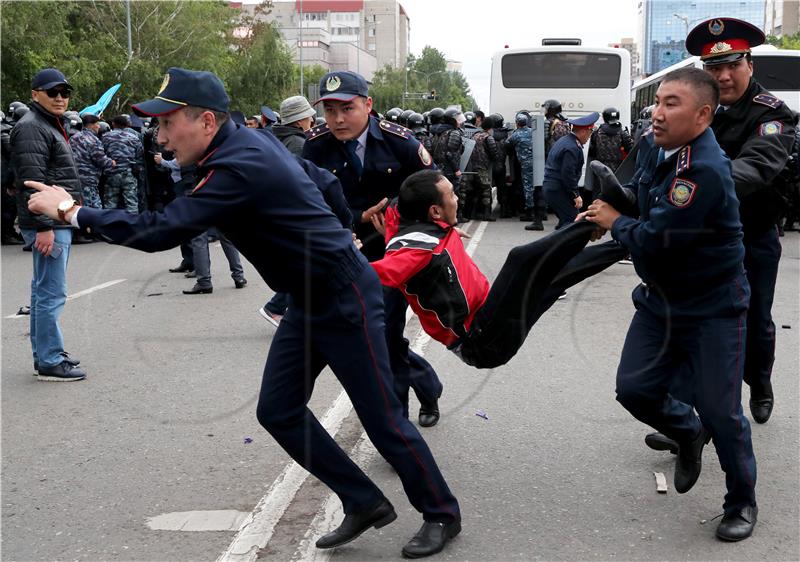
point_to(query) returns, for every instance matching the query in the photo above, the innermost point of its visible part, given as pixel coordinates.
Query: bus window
(561, 70)
(777, 73)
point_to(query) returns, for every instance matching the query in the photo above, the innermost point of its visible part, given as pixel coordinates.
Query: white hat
(294, 109)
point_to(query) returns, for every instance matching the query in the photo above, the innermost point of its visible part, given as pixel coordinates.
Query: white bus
(777, 70)
(583, 79)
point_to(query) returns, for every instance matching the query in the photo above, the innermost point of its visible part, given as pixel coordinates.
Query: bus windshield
(561, 70)
(778, 73)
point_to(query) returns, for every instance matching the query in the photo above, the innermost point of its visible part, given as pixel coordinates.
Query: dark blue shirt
(687, 244)
(262, 199)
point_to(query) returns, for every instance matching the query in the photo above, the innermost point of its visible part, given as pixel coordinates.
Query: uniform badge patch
(716, 27)
(424, 155)
(681, 192)
(333, 83)
(770, 128)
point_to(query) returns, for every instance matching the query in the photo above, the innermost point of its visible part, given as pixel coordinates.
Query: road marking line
(258, 528)
(78, 294)
(198, 521)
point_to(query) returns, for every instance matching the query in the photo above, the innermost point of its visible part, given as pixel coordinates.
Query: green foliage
(785, 41)
(423, 75)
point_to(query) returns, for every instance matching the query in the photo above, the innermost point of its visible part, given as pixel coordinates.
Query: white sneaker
(562, 296)
(626, 261)
(274, 319)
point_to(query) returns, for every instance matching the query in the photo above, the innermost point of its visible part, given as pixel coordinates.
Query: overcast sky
(471, 31)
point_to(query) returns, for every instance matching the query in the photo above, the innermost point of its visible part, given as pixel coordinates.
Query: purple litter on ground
(482, 414)
(248, 440)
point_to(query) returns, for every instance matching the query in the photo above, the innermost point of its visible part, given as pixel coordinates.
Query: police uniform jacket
(562, 170)
(392, 154)
(687, 244)
(263, 200)
(40, 152)
(125, 148)
(757, 134)
(90, 158)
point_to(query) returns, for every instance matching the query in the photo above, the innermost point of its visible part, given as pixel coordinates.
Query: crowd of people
(354, 219)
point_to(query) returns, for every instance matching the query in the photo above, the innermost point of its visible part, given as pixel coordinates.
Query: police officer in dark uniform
(691, 307)
(371, 158)
(756, 131)
(562, 170)
(270, 205)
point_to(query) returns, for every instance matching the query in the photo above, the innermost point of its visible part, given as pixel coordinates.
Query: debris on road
(482, 414)
(661, 482)
(248, 440)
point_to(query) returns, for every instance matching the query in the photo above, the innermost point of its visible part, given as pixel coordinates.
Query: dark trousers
(278, 303)
(762, 253)
(410, 370)
(530, 281)
(202, 258)
(562, 203)
(707, 353)
(345, 330)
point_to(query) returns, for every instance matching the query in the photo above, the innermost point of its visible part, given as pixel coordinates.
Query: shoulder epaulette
(684, 160)
(395, 129)
(318, 131)
(768, 99)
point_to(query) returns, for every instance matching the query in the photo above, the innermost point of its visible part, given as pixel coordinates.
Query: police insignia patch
(424, 155)
(716, 27)
(681, 192)
(770, 128)
(332, 84)
(164, 84)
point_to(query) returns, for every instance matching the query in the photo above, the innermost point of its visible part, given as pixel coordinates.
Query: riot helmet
(611, 115)
(416, 122)
(436, 115)
(404, 117)
(522, 119)
(20, 110)
(498, 119)
(393, 114)
(647, 112)
(12, 107)
(451, 116)
(470, 117)
(551, 108)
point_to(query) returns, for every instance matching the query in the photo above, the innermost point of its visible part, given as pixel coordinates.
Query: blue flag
(102, 103)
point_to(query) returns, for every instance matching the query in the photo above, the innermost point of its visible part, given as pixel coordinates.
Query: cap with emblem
(183, 87)
(342, 86)
(585, 121)
(723, 40)
(268, 114)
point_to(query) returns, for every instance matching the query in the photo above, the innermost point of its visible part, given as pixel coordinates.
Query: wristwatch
(65, 206)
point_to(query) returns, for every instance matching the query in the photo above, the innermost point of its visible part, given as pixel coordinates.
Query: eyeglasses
(53, 92)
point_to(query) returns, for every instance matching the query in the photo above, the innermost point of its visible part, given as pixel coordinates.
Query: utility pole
(300, 45)
(128, 17)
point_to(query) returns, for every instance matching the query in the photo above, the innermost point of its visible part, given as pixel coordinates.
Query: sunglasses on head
(53, 92)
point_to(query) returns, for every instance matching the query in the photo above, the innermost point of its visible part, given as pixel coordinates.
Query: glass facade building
(668, 22)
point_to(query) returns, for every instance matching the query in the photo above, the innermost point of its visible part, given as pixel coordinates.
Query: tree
(785, 41)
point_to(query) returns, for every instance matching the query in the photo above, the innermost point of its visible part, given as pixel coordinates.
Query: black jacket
(40, 152)
(292, 138)
(757, 133)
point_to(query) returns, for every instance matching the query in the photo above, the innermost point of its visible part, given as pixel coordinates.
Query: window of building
(371, 46)
(371, 32)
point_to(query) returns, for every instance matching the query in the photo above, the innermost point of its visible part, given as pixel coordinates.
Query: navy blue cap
(183, 87)
(267, 112)
(342, 86)
(585, 121)
(237, 117)
(49, 78)
(723, 40)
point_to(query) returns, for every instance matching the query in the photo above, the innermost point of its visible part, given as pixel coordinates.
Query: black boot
(356, 523)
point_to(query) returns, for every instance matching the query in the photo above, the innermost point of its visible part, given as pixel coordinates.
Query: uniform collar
(224, 132)
(374, 128)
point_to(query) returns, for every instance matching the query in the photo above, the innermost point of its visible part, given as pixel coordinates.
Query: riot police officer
(610, 143)
(446, 146)
(555, 124)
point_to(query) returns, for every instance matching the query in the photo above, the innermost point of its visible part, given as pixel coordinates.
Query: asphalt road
(558, 471)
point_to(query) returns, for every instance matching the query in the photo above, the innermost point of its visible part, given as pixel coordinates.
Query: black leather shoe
(431, 538)
(240, 283)
(182, 268)
(690, 461)
(356, 523)
(63, 372)
(190, 274)
(738, 525)
(199, 290)
(535, 225)
(761, 409)
(429, 414)
(621, 198)
(660, 442)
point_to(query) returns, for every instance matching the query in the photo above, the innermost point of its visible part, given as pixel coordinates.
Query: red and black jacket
(428, 263)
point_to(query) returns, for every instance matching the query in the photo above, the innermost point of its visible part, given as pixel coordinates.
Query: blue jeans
(48, 295)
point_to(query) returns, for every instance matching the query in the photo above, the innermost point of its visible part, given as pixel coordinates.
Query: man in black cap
(371, 158)
(40, 152)
(271, 206)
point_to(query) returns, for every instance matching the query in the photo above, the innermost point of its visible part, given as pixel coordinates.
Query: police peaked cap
(342, 86)
(723, 40)
(585, 121)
